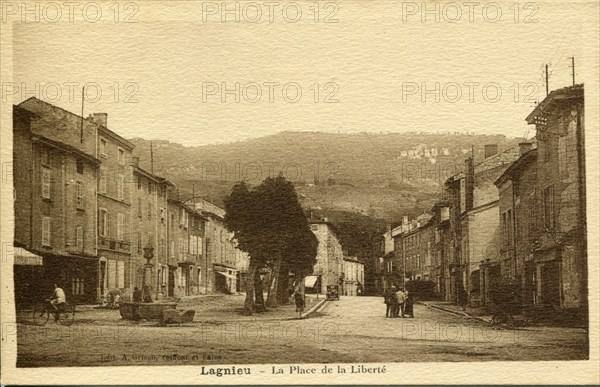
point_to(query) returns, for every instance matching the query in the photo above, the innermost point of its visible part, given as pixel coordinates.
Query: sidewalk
(481, 314)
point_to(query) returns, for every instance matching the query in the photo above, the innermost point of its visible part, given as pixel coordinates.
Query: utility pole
(546, 79)
(573, 69)
(151, 158)
(82, 101)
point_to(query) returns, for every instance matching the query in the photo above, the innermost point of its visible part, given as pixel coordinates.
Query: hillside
(383, 175)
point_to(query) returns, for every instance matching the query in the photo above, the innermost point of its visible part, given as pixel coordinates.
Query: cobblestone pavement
(353, 329)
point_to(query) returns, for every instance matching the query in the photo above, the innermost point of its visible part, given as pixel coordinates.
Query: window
(79, 167)
(121, 187)
(79, 238)
(103, 147)
(162, 247)
(180, 243)
(510, 230)
(504, 227)
(121, 156)
(139, 207)
(120, 274)
(139, 242)
(120, 226)
(46, 231)
(46, 180)
(103, 224)
(45, 157)
(77, 287)
(314, 227)
(150, 210)
(103, 177)
(112, 274)
(139, 181)
(150, 187)
(172, 249)
(548, 204)
(79, 200)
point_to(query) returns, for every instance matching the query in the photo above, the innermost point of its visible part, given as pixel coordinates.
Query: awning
(310, 281)
(227, 275)
(26, 258)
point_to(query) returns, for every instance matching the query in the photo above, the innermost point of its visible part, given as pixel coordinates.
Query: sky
(370, 61)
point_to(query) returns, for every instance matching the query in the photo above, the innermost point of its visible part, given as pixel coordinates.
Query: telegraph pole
(151, 158)
(546, 79)
(573, 69)
(82, 101)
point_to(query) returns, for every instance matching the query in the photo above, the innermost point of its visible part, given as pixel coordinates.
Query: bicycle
(41, 313)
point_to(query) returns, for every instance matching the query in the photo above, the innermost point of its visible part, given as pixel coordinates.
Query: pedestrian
(388, 295)
(299, 299)
(462, 298)
(408, 305)
(400, 300)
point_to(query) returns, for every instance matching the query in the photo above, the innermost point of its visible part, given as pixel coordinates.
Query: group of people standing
(398, 303)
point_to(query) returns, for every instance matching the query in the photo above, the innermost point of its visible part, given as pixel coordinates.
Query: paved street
(351, 330)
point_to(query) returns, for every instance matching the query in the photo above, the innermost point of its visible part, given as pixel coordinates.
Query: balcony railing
(114, 245)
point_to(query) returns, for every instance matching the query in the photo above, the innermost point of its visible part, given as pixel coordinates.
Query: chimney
(100, 118)
(490, 150)
(524, 147)
(135, 161)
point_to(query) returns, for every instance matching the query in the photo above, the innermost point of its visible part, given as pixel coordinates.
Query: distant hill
(383, 176)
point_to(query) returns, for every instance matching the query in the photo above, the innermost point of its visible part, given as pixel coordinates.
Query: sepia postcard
(300, 192)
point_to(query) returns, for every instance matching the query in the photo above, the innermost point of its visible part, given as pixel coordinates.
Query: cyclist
(58, 300)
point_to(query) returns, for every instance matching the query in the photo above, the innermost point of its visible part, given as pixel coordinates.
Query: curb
(314, 308)
(454, 312)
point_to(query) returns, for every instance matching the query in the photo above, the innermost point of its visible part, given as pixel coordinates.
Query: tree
(269, 224)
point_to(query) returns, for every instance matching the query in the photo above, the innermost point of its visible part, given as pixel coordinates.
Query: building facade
(354, 276)
(330, 259)
(55, 202)
(560, 252)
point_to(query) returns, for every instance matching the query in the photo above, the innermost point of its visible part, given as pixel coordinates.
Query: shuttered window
(112, 274)
(46, 231)
(46, 181)
(120, 274)
(120, 226)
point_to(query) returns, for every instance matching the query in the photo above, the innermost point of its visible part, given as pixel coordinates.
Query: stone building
(115, 184)
(474, 224)
(517, 211)
(55, 205)
(149, 225)
(560, 252)
(186, 228)
(354, 276)
(330, 259)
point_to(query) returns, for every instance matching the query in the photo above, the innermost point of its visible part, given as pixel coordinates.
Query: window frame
(46, 231)
(46, 182)
(103, 147)
(79, 195)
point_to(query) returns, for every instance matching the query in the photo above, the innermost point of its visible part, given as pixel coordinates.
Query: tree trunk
(272, 296)
(249, 302)
(283, 295)
(259, 303)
